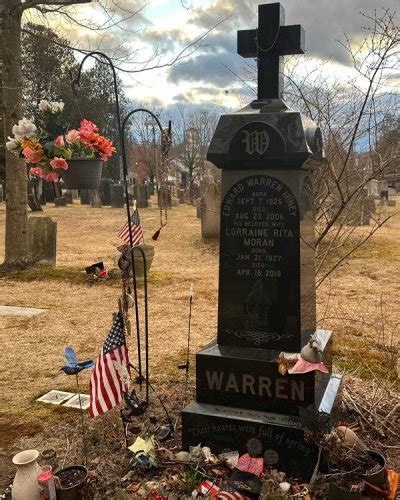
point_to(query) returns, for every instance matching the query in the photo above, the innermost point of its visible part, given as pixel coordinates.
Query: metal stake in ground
(74, 367)
(185, 366)
(82, 420)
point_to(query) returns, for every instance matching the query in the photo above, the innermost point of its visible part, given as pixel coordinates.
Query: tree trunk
(16, 243)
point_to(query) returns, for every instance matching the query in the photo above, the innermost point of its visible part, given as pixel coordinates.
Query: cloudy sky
(165, 27)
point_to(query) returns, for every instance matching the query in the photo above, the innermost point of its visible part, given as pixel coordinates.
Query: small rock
(208, 456)
(285, 487)
(183, 456)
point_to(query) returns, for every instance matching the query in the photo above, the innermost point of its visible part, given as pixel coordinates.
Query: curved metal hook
(76, 81)
(131, 113)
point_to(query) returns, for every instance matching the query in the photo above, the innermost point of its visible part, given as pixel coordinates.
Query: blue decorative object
(74, 366)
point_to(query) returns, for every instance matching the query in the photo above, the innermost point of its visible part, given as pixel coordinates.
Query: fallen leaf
(133, 487)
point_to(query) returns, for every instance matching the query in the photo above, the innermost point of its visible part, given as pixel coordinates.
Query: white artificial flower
(56, 107)
(44, 105)
(11, 144)
(24, 130)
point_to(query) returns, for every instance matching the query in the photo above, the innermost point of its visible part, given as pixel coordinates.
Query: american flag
(137, 231)
(110, 376)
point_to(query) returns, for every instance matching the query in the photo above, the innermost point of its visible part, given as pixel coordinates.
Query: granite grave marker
(266, 306)
(117, 196)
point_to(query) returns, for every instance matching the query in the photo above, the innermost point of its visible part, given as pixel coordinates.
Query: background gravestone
(95, 198)
(117, 196)
(373, 188)
(105, 189)
(42, 238)
(141, 195)
(197, 204)
(69, 197)
(48, 191)
(266, 301)
(33, 203)
(151, 189)
(61, 201)
(85, 196)
(210, 213)
(1, 193)
(360, 210)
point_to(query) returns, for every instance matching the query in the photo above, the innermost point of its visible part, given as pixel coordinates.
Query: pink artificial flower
(32, 155)
(37, 172)
(59, 141)
(59, 163)
(51, 176)
(104, 273)
(72, 136)
(87, 129)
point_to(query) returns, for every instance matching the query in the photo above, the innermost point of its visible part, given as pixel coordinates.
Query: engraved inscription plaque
(259, 294)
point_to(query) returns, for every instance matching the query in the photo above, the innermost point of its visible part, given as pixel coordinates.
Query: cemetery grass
(360, 302)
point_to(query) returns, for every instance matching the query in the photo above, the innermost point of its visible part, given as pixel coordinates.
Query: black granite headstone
(266, 304)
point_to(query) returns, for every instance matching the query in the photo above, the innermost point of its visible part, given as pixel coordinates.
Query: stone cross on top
(269, 43)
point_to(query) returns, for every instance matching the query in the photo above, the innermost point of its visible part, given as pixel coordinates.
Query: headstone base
(249, 378)
(281, 437)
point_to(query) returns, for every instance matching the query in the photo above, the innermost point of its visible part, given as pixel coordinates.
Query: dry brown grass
(356, 302)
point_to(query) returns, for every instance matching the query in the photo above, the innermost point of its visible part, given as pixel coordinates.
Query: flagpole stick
(82, 420)
(188, 339)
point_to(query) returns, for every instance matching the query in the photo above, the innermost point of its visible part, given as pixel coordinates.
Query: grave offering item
(50, 152)
(25, 486)
(93, 268)
(49, 457)
(42, 240)
(71, 482)
(47, 486)
(266, 305)
(117, 196)
(83, 173)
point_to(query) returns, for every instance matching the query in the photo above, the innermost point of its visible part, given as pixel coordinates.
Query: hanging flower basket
(51, 151)
(82, 173)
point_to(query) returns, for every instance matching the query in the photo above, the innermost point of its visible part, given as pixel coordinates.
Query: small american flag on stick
(110, 376)
(137, 231)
